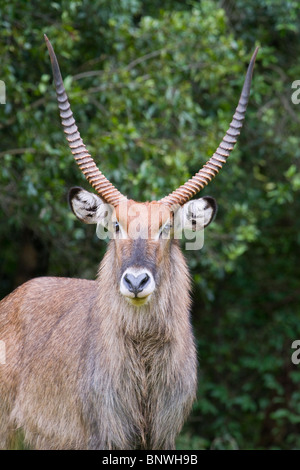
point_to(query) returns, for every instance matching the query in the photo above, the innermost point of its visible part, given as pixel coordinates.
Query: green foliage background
(153, 86)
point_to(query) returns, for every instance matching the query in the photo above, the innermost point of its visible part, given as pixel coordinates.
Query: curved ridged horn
(84, 160)
(211, 168)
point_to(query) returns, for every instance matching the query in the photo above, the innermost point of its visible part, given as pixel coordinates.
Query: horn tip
(253, 58)
(256, 51)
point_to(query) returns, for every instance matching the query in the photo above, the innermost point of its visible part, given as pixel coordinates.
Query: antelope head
(143, 233)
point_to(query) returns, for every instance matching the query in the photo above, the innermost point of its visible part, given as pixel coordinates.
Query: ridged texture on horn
(211, 168)
(84, 160)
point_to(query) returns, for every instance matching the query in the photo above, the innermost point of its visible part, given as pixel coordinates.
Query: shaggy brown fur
(85, 369)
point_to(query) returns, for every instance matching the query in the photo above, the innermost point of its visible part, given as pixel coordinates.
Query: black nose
(136, 284)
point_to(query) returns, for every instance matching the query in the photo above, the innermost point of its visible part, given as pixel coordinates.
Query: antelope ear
(199, 213)
(88, 207)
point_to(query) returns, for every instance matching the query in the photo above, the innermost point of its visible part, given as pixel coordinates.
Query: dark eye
(165, 231)
(116, 226)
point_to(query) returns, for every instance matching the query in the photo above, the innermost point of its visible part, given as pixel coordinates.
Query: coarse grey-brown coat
(93, 371)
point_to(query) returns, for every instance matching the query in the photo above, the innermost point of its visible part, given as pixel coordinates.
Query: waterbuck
(111, 363)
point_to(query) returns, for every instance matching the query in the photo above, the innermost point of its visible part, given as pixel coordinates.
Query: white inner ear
(90, 208)
(197, 214)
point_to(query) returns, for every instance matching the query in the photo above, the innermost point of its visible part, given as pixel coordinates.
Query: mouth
(138, 301)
